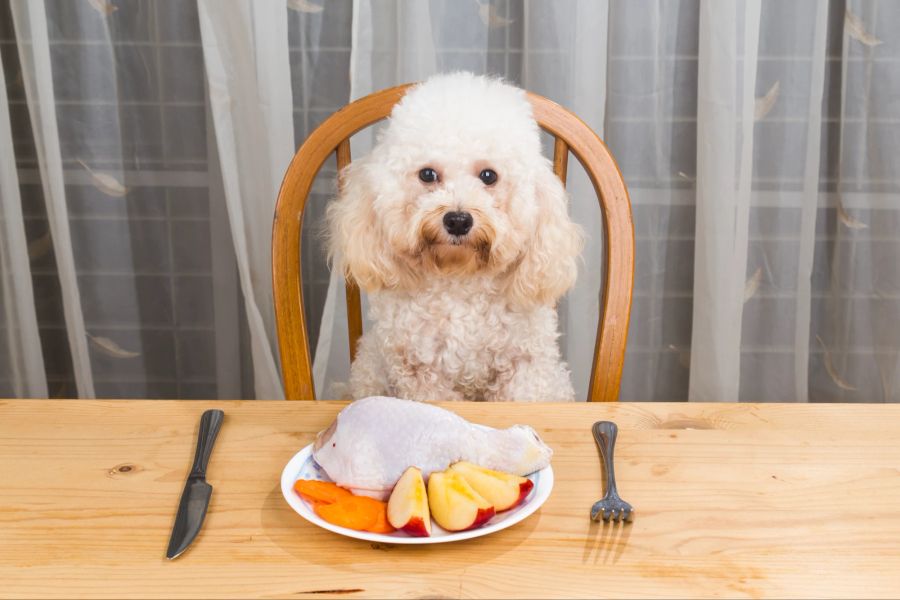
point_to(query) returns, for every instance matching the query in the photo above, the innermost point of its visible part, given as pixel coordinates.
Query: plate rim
(289, 476)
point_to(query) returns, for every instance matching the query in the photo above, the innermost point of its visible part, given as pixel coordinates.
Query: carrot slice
(320, 491)
(382, 525)
(354, 512)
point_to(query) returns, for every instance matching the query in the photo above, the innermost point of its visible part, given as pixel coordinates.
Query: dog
(457, 229)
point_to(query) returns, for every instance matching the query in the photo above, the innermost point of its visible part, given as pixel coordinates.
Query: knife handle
(210, 423)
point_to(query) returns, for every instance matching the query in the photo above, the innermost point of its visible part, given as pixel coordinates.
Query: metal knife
(196, 494)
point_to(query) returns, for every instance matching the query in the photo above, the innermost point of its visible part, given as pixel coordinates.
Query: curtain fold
(725, 86)
(22, 361)
(809, 204)
(245, 50)
(857, 354)
(31, 26)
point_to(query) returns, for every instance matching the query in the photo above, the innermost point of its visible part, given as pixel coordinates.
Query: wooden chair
(571, 134)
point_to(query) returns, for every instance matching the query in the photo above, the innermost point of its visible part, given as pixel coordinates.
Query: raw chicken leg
(375, 439)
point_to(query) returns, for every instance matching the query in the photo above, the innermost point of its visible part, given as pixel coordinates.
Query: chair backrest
(571, 134)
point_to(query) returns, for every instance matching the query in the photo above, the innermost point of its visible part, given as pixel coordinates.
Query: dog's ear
(356, 242)
(548, 267)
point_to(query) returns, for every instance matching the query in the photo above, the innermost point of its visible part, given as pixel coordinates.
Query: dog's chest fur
(464, 332)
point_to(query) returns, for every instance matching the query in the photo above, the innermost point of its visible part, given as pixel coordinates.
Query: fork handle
(605, 433)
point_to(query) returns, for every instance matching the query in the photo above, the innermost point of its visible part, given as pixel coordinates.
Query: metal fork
(611, 506)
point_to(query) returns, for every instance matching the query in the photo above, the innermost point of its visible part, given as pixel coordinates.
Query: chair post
(561, 159)
(351, 290)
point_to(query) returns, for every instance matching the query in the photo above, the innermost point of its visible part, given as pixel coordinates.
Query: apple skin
(481, 517)
(416, 527)
(524, 489)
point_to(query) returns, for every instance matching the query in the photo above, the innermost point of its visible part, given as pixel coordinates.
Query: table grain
(733, 500)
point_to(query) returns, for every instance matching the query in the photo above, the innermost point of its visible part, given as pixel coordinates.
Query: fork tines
(624, 514)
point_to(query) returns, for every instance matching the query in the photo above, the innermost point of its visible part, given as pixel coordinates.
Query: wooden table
(732, 500)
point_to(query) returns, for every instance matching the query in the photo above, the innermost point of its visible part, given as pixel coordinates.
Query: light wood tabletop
(733, 500)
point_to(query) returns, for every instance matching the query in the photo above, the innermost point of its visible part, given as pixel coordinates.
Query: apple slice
(407, 507)
(454, 504)
(503, 490)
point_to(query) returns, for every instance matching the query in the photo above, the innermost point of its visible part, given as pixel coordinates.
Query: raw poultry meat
(373, 440)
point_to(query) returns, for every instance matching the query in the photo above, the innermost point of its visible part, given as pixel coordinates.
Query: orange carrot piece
(354, 512)
(382, 525)
(320, 491)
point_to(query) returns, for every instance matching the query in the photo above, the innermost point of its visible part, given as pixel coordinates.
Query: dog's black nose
(458, 223)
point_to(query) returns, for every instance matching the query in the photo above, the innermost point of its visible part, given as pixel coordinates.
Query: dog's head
(456, 185)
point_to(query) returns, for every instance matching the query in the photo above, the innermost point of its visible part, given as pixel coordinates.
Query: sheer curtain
(20, 354)
(142, 143)
(729, 120)
(250, 98)
(541, 46)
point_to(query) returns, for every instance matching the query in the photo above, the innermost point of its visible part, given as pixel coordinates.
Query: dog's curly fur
(469, 317)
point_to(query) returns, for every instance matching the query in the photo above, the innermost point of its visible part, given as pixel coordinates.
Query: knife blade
(197, 492)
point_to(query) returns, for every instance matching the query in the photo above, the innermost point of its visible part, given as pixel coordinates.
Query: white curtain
(245, 51)
(856, 284)
(408, 41)
(716, 112)
(149, 141)
(142, 144)
(22, 360)
(31, 27)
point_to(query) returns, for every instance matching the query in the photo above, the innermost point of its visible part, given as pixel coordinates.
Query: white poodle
(456, 227)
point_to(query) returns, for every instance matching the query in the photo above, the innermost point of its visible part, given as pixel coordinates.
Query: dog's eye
(488, 177)
(428, 175)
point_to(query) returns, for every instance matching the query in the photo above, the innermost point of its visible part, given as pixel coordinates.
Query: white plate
(303, 466)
